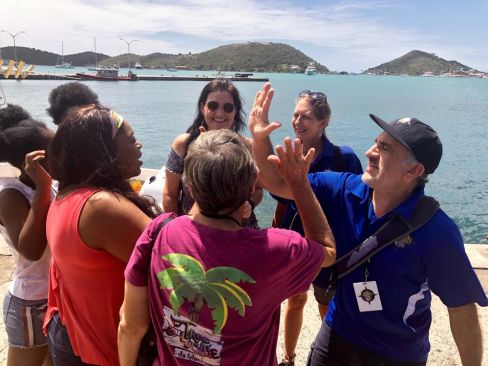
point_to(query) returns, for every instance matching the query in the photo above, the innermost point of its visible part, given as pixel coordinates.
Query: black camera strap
(394, 230)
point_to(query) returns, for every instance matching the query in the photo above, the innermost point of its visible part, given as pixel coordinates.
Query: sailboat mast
(62, 53)
(96, 58)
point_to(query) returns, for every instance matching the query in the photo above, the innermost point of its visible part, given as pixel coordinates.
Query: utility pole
(128, 48)
(13, 37)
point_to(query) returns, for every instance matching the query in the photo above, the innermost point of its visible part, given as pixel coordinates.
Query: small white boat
(63, 65)
(101, 67)
(138, 65)
(310, 70)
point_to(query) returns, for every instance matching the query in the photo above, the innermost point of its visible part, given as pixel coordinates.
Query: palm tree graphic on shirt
(216, 288)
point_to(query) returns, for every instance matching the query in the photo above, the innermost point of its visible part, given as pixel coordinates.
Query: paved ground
(443, 352)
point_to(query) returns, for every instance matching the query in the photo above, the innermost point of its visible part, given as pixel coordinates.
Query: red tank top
(86, 285)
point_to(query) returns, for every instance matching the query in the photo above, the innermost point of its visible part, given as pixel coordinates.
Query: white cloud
(342, 28)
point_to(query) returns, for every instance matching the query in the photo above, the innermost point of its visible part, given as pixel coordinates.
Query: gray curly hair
(219, 171)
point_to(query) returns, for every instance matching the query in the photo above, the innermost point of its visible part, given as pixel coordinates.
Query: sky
(348, 35)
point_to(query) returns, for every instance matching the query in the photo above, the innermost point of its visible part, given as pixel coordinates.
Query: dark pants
(60, 346)
(330, 349)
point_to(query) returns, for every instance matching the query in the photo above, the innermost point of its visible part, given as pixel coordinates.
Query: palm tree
(216, 288)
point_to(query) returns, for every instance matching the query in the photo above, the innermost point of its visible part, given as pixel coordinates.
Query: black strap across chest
(393, 230)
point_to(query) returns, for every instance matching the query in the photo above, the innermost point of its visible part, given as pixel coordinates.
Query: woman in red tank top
(92, 227)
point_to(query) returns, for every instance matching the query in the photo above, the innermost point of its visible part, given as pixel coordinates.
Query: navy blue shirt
(347, 161)
(434, 261)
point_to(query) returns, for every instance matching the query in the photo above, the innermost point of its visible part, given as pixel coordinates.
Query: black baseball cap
(416, 136)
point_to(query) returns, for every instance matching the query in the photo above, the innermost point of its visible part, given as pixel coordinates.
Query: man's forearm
(466, 331)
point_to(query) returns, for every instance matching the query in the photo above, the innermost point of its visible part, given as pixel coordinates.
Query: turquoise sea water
(456, 107)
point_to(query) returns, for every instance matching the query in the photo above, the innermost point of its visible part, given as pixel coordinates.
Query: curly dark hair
(84, 152)
(21, 138)
(222, 85)
(11, 115)
(66, 96)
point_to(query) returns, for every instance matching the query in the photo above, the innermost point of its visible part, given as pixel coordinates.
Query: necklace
(221, 217)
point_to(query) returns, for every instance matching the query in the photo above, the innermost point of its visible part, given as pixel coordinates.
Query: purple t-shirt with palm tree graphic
(215, 295)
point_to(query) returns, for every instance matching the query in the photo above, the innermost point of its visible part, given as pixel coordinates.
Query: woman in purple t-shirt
(213, 288)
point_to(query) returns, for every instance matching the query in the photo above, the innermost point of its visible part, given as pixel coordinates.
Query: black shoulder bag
(148, 351)
(392, 231)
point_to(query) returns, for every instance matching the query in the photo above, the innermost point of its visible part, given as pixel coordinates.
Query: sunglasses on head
(313, 95)
(228, 107)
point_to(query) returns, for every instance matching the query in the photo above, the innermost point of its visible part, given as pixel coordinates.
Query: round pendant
(367, 295)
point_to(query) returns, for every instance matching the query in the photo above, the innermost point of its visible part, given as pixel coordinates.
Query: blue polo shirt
(435, 261)
(327, 160)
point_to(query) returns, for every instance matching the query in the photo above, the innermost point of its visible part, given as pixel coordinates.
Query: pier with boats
(20, 71)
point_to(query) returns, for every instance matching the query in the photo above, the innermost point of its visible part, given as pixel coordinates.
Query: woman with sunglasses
(219, 106)
(310, 119)
(92, 227)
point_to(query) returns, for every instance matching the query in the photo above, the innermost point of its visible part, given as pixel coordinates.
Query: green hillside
(153, 60)
(30, 55)
(417, 63)
(34, 56)
(85, 58)
(251, 56)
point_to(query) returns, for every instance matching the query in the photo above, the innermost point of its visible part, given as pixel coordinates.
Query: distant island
(421, 63)
(250, 56)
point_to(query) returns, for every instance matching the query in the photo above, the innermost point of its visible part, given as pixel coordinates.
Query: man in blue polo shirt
(380, 314)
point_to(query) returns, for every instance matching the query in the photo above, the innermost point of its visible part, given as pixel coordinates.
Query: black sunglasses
(313, 95)
(228, 107)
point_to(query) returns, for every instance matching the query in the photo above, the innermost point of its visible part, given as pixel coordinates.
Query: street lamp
(128, 48)
(13, 37)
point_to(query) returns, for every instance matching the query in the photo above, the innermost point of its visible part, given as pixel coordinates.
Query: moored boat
(63, 64)
(310, 70)
(242, 74)
(107, 74)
